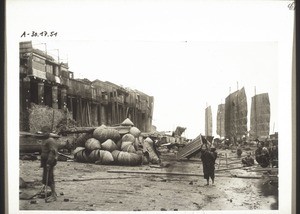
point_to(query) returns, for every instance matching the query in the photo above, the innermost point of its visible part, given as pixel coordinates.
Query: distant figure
(262, 156)
(274, 156)
(49, 157)
(248, 161)
(208, 157)
(155, 145)
(239, 151)
(227, 143)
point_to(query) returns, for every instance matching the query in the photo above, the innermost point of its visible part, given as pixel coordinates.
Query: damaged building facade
(47, 82)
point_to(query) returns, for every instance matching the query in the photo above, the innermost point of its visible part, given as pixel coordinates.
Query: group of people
(266, 155)
(263, 155)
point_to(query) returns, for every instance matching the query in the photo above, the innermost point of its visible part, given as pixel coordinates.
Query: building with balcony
(47, 82)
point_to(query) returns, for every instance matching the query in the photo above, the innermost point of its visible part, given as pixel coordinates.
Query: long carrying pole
(46, 193)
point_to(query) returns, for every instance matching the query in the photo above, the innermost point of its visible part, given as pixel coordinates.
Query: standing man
(48, 162)
(208, 157)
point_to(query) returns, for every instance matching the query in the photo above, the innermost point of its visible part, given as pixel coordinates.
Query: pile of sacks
(113, 145)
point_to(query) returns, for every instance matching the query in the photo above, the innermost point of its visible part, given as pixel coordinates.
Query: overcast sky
(187, 55)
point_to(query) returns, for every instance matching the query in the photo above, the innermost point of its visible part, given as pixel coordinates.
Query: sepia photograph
(149, 106)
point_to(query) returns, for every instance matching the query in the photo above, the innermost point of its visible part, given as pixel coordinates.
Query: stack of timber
(191, 148)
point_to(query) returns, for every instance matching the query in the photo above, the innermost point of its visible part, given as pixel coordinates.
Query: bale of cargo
(105, 158)
(129, 148)
(135, 131)
(115, 155)
(125, 143)
(119, 144)
(127, 122)
(145, 160)
(94, 155)
(148, 148)
(82, 156)
(128, 159)
(149, 141)
(92, 144)
(123, 158)
(103, 134)
(86, 154)
(109, 145)
(102, 126)
(135, 159)
(78, 149)
(128, 137)
(139, 152)
(80, 141)
(137, 144)
(122, 129)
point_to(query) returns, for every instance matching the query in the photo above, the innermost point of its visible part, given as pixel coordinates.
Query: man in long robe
(208, 157)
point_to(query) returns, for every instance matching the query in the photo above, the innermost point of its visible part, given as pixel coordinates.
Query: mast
(255, 112)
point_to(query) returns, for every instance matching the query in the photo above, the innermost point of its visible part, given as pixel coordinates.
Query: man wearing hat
(49, 157)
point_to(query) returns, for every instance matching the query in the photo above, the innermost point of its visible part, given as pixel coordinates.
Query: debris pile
(42, 115)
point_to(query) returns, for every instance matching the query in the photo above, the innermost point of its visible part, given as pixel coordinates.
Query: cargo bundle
(113, 145)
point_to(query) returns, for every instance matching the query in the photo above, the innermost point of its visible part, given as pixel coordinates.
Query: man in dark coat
(208, 157)
(49, 157)
(262, 156)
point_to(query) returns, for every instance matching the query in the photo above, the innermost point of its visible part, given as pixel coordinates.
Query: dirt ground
(83, 186)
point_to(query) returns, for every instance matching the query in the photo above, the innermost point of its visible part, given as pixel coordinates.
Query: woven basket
(148, 147)
(135, 159)
(145, 160)
(128, 137)
(125, 144)
(127, 122)
(109, 145)
(135, 131)
(148, 140)
(94, 156)
(82, 156)
(92, 144)
(115, 155)
(136, 144)
(128, 159)
(123, 158)
(105, 158)
(80, 141)
(122, 129)
(103, 134)
(119, 144)
(129, 148)
(78, 149)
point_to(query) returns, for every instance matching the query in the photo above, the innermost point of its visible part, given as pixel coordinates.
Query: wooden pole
(170, 173)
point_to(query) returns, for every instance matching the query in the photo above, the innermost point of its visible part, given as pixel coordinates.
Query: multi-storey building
(47, 82)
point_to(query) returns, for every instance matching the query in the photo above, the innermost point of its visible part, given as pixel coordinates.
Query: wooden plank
(153, 172)
(190, 148)
(61, 154)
